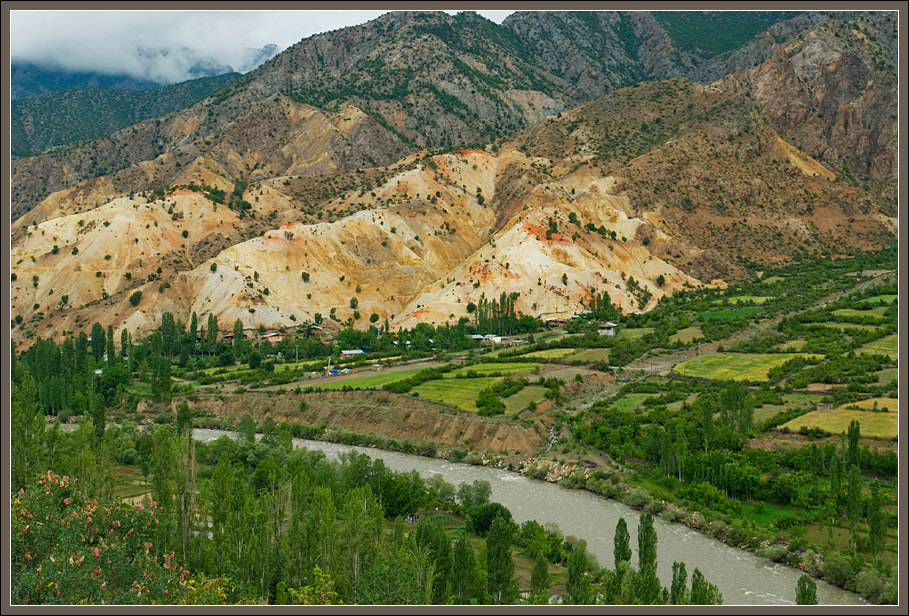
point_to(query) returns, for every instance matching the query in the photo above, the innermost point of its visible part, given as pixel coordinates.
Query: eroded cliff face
(832, 92)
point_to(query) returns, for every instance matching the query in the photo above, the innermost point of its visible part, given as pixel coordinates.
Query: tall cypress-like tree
(854, 503)
(678, 592)
(98, 342)
(647, 560)
(578, 586)
(540, 581)
(502, 585)
(806, 591)
(464, 572)
(702, 591)
(621, 551)
(877, 534)
(238, 339)
(212, 333)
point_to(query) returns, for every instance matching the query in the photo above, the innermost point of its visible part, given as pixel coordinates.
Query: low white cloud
(164, 45)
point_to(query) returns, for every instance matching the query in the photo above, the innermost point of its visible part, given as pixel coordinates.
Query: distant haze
(169, 46)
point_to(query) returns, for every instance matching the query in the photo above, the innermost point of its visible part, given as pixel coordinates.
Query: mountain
(28, 80)
(325, 181)
(61, 118)
(424, 79)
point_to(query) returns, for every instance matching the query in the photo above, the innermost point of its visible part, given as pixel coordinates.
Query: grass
(492, 367)
(794, 345)
(880, 299)
(768, 513)
(373, 381)
(519, 401)
(630, 402)
(835, 325)
(746, 299)
(734, 366)
(888, 345)
(550, 353)
(873, 424)
(731, 313)
(461, 393)
(887, 375)
(591, 355)
(790, 401)
(877, 313)
(689, 334)
(634, 333)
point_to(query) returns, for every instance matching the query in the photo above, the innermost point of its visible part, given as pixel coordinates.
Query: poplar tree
(621, 551)
(806, 591)
(464, 571)
(502, 585)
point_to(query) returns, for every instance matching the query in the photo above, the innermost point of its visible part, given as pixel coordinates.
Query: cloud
(163, 46)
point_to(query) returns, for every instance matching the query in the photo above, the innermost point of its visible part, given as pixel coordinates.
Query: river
(742, 577)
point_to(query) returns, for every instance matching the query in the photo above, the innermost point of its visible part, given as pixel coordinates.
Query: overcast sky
(107, 41)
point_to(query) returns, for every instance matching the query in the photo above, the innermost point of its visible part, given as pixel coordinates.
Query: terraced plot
(872, 424)
(844, 326)
(550, 353)
(630, 402)
(880, 299)
(634, 333)
(373, 381)
(591, 355)
(731, 313)
(747, 299)
(519, 401)
(689, 334)
(877, 313)
(735, 366)
(461, 393)
(888, 345)
(496, 368)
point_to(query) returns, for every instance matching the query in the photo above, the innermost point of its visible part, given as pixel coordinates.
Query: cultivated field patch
(735, 366)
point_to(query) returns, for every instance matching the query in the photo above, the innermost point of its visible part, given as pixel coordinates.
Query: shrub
(636, 498)
(135, 297)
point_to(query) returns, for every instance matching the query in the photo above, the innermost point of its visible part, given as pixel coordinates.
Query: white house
(607, 329)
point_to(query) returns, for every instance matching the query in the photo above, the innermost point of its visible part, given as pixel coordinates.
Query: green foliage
(501, 583)
(713, 33)
(806, 591)
(135, 298)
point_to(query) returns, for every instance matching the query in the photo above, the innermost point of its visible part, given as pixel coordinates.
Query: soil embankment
(382, 413)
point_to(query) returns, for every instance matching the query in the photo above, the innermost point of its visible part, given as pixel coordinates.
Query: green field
(634, 333)
(734, 366)
(502, 368)
(519, 401)
(842, 326)
(689, 334)
(746, 299)
(880, 299)
(375, 380)
(550, 353)
(887, 375)
(591, 355)
(731, 313)
(461, 393)
(790, 401)
(888, 345)
(873, 424)
(877, 313)
(630, 402)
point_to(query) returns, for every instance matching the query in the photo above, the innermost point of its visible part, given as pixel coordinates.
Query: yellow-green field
(686, 335)
(872, 424)
(519, 401)
(501, 368)
(461, 393)
(877, 313)
(373, 381)
(754, 299)
(734, 366)
(550, 353)
(888, 345)
(634, 333)
(794, 345)
(591, 355)
(790, 401)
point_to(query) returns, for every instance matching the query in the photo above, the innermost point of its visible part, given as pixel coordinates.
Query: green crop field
(461, 393)
(790, 401)
(877, 313)
(373, 381)
(591, 355)
(887, 375)
(634, 333)
(793, 345)
(630, 402)
(734, 366)
(689, 334)
(731, 313)
(519, 401)
(502, 368)
(888, 345)
(880, 299)
(550, 353)
(872, 424)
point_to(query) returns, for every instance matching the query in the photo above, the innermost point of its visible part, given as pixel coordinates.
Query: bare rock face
(832, 93)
